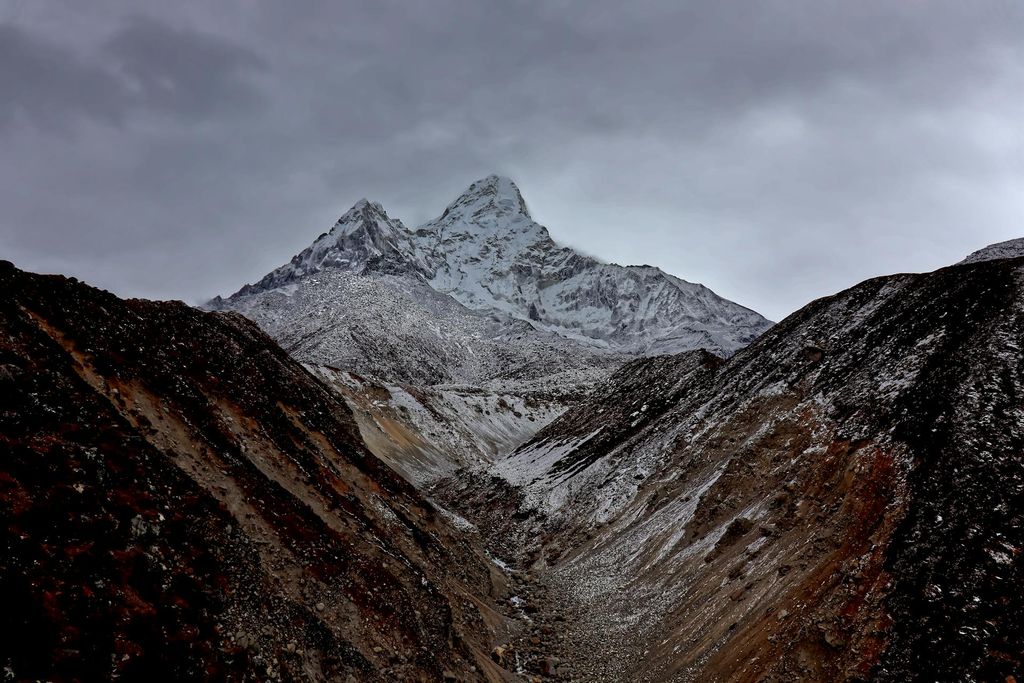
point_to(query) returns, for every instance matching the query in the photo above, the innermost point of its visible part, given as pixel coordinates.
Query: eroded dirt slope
(181, 500)
(427, 432)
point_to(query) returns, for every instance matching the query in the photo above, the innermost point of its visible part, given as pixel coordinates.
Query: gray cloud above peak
(182, 71)
(776, 151)
(46, 84)
(144, 66)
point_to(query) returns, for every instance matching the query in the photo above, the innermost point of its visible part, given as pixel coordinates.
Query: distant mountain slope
(395, 326)
(486, 252)
(1007, 249)
(842, 500)
(181, 500)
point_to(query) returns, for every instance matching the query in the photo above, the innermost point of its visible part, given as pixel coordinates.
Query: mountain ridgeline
(485, 258)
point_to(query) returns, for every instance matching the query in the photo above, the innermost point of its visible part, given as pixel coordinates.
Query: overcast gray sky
(776, 150)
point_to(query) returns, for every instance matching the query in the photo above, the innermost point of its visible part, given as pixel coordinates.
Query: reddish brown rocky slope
(842, 500)
(181, 500)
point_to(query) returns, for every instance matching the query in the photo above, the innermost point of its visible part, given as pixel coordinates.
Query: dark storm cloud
(145, 65)
(46, 85)
(776, 150)
(186, 72)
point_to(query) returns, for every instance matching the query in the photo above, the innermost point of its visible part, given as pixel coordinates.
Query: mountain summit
(493, 197)
(486, 252)
(364, 239)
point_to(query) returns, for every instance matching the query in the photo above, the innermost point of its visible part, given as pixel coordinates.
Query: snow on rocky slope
(364, 240)
(426, 433)
(479, 297)
(842, 500)
(486, 252)
(397, 327)
(422, 356)
(1008, 249)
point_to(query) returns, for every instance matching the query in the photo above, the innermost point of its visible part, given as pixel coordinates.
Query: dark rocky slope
(842, 500)
(180, 500)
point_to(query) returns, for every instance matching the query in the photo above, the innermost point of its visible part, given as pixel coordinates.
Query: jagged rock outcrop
(364, 240)
(181, 500)
(842, 500)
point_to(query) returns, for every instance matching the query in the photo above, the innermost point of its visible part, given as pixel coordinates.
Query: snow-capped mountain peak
(362, 209)
(364, 239)
(493, 197)
(367, 217)
(486, 252)
(490, 215)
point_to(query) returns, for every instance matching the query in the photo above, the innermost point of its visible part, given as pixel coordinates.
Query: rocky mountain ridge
(398, 328)
(1009, 249)
(486, 252)
(841, 500)
(180, 499)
